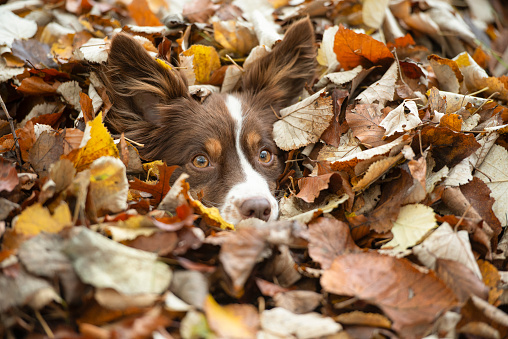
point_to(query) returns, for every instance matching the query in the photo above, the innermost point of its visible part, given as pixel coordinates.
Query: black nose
(256, 207)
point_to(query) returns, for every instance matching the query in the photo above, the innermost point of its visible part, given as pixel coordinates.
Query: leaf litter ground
(393, 200)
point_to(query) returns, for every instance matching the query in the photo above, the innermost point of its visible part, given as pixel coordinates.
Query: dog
(225, 143)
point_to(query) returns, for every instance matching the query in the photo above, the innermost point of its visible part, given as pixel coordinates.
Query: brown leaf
(199, 10)
(47, 149)
(311, 187)
(436, 102)
(478, 310)
(410, 298)
(299, 302)
(364, 121)
(329, 238)
(241, 251)
(159, 190)
(452, 121)
(86, 107)
(37, 86)
(448, 148)
(33, 52)
(332, 134)
(460, 279)
(477, 194)
(353, 49)
(8, 176)
(141, 13)
(387, 210)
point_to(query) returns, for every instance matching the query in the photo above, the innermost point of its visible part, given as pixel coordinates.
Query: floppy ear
(279, 77)
(137, 85)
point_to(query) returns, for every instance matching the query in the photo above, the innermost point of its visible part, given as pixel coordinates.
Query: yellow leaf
(163, 64)
(211, 215)
(99, 144)
(153, 168)
(206, 60)
(223, 320)
(108, 184)
(36, 219)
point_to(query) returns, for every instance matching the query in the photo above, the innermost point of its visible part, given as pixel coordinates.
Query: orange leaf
(159, 190)
(142, 14)
(36, 86)
(355, 49)
(86, 107)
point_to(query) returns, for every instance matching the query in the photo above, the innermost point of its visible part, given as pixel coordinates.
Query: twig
(11, 123)
(44, 325)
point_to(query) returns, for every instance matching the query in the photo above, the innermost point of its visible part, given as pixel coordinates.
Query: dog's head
(224, 143)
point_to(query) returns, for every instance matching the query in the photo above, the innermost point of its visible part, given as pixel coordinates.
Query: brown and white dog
(225, 143)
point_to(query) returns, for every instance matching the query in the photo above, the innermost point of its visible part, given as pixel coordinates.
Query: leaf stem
(11, 123)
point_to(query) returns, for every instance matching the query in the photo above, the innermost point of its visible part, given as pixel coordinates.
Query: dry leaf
(444, 243)
(413, 222)
(36, 219)
(353, 49)
(108, 184)
(206, 60)
(303, 123)
(410, 298)
(382, 90)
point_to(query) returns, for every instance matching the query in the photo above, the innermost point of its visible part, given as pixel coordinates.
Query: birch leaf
(493, 172)
(445, 243)
(398, 121)
(373, 12)
(303, 123)
(14, 27)
(382, 90)
(413, 222)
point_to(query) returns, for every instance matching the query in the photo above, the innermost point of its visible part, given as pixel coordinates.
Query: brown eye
(265, 156)
(200, 161)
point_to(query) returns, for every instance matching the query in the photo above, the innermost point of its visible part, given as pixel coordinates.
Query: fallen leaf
(382, 90)
(96, 143)
(161, 188)
(492, 172)
(206, 60)
(373, 12)
(283, 323)
(8, 175)
(199, 10)
(141, 13)
(235, 36)
(232, 321)
(299, 302)
(303, 123)
(37, 218)
(108, 185)
(410, 298)
(239, 253)
(444, 243)
(364, 120)
(14, 27)
(412, 224)
(127, 270)
(47, 149)
(353, 49)
(461, 280)
(329, 238)
(398, 121)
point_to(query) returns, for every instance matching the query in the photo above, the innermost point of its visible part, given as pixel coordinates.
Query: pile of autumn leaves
(408, 171)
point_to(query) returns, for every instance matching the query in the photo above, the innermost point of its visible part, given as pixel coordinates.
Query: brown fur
(152, 106)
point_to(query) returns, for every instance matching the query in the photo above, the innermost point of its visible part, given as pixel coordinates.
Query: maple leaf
(160, 189)
(36, 219)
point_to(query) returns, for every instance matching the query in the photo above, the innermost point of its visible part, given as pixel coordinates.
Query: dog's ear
(279, 77)
(137, 85)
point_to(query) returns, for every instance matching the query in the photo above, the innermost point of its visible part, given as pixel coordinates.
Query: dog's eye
(200, 161)
(265, 156)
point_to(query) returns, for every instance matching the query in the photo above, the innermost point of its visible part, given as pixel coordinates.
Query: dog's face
(224, 143)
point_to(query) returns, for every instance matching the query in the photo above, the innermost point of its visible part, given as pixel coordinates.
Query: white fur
(254, 184)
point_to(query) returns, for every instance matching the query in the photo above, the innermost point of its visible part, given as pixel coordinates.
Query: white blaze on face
(254, 184)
